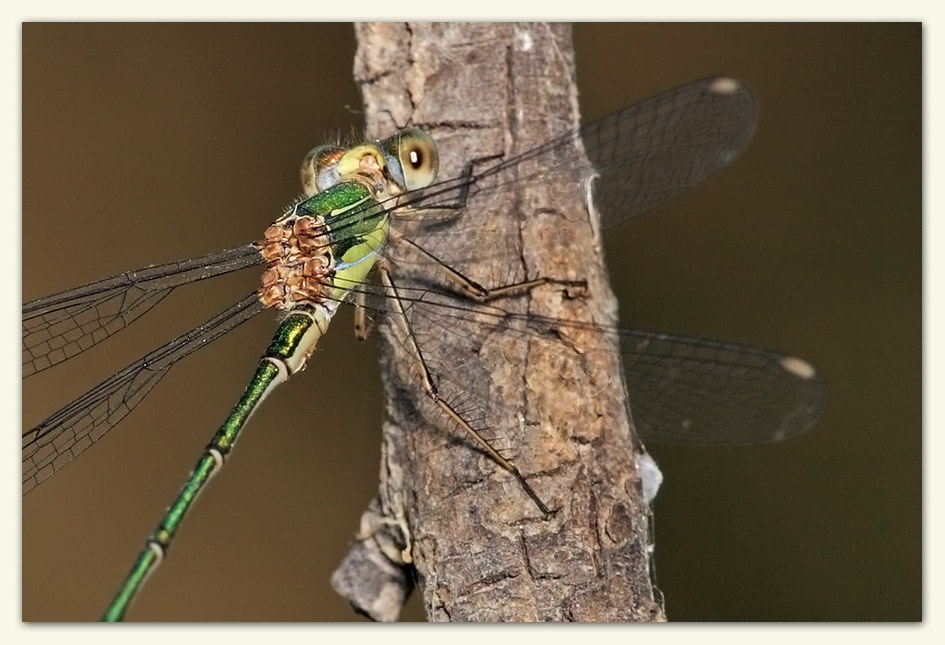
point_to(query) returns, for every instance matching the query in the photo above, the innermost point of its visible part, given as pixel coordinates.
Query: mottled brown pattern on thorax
(300, 262)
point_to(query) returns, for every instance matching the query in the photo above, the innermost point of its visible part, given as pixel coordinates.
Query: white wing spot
(798, 367)
(724, 85)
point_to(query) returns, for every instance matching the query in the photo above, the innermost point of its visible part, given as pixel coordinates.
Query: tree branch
(551, 400)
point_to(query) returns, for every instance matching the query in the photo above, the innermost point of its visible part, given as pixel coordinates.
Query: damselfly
(375, 209)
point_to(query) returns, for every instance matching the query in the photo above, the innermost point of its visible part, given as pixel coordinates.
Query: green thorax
(357, 226)
(324, 246)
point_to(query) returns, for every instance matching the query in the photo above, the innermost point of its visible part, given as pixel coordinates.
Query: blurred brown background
(151, 142)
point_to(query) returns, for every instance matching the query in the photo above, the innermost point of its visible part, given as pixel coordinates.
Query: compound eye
(320, 168)
(418, 157)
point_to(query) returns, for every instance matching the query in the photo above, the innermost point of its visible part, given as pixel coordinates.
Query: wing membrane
(60, 326)
(59, 439)
(645, 155)
(681, 389)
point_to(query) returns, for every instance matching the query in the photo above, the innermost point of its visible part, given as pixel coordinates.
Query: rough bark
(551, 399)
